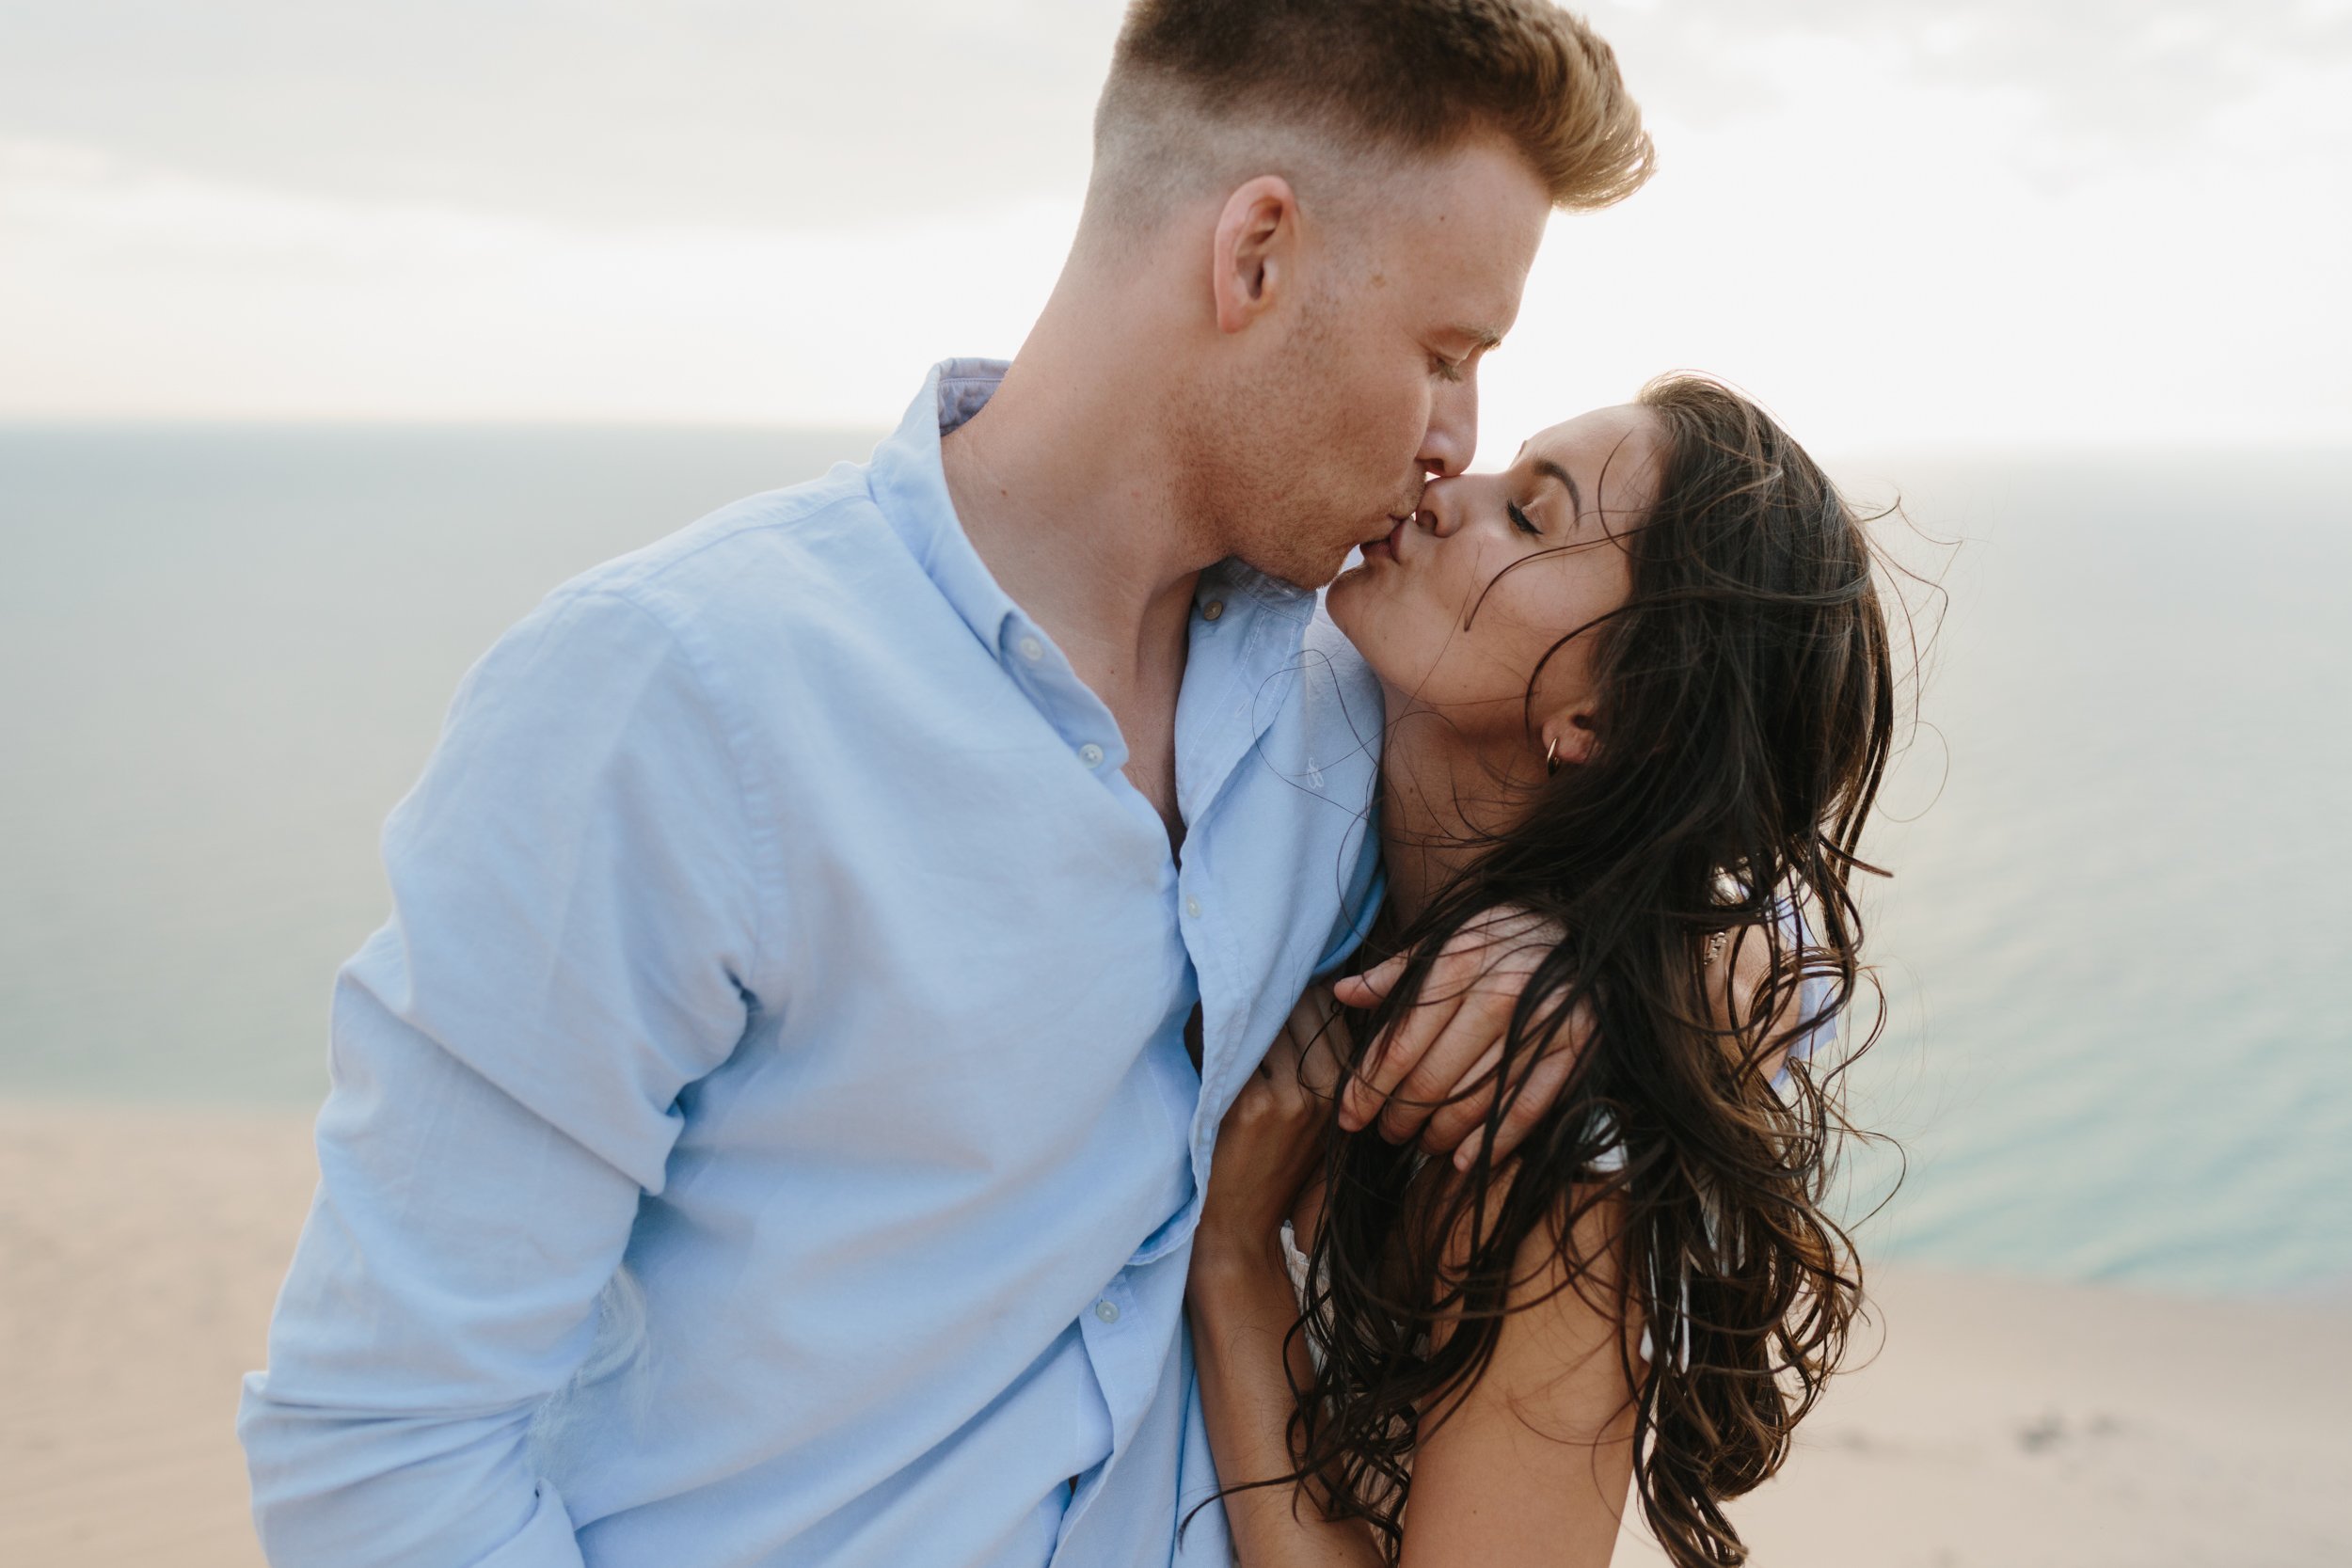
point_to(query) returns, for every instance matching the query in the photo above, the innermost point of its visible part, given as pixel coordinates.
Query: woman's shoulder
(1538, 1443)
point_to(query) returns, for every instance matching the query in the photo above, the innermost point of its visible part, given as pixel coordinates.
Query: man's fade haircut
(1198, 89)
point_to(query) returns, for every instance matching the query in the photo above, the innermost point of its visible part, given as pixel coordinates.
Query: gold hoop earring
(1551, 756)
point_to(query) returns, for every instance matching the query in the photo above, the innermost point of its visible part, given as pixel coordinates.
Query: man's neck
(1070, 485)
(1068, 493)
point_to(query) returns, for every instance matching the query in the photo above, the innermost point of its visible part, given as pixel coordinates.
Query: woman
(1639, 684)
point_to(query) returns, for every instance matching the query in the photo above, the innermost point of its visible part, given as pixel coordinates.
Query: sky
(2020, 221)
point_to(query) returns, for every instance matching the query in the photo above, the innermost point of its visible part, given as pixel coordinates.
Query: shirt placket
(1075, 713)
(1251, 695)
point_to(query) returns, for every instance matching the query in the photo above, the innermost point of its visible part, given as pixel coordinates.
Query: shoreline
(1989, 1421)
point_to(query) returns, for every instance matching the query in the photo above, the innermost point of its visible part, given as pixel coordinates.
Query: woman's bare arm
(1242, 1306)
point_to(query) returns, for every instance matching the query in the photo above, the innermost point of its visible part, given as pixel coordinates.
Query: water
(2112, 1046)
(227, 653)
(2115, 947)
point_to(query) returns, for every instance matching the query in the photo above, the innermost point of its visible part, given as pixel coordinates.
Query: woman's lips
(1386, 547)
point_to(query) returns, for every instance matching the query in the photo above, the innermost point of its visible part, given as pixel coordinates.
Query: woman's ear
(1570, 738)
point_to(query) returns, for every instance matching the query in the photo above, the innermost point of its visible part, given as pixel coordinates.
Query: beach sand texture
(140, 1253)
(2002, 1423)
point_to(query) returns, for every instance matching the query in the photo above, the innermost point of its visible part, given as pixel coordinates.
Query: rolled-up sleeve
(577, 909)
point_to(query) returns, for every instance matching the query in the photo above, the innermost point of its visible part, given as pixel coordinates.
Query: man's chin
(1307, 576)
(1306, 571)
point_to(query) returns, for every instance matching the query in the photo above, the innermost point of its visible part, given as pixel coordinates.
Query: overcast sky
(2047, 220)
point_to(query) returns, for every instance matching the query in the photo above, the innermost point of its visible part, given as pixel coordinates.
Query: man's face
(1375, 385)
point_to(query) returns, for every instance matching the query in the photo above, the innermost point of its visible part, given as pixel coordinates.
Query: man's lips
(1385, 548)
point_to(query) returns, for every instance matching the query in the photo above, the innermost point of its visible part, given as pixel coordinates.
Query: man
(848, 919)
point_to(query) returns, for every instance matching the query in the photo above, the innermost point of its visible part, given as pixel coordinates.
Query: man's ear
(1256, 250)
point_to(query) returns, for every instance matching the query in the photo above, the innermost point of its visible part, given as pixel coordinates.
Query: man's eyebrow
(1478, 337)
(1547, 469)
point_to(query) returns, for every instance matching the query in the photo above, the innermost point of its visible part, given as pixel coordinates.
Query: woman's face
(1458, 606)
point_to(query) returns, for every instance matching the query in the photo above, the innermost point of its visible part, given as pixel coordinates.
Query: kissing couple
(998, 1007)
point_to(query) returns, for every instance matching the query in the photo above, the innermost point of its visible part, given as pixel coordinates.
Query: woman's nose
(1439, 513)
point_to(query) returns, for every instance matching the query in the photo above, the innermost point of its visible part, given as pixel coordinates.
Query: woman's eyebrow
(1547, 469)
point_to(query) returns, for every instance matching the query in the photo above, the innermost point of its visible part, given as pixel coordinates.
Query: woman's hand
(1271, 1141)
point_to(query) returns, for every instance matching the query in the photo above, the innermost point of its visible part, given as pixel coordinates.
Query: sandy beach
(2025, 1425)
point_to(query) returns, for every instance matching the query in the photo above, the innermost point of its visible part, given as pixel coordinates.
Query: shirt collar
(912, 490)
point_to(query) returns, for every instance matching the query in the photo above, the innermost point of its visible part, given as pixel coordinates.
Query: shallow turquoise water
(2117, 1047)
(2112, 1051)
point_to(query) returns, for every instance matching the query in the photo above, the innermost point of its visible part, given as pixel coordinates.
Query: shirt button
(1107, 1311)
(1090, 755)
(1213, 608)
(1192, 908)
(1031, 649)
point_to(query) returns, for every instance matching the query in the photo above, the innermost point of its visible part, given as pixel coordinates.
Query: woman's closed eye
(1520, 519)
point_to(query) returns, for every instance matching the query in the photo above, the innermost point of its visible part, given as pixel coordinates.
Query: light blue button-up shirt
(774, 918)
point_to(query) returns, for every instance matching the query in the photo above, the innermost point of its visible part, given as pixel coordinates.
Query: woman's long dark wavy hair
(1746, 719)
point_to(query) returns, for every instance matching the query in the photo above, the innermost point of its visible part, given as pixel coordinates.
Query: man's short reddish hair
(1404, 77)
